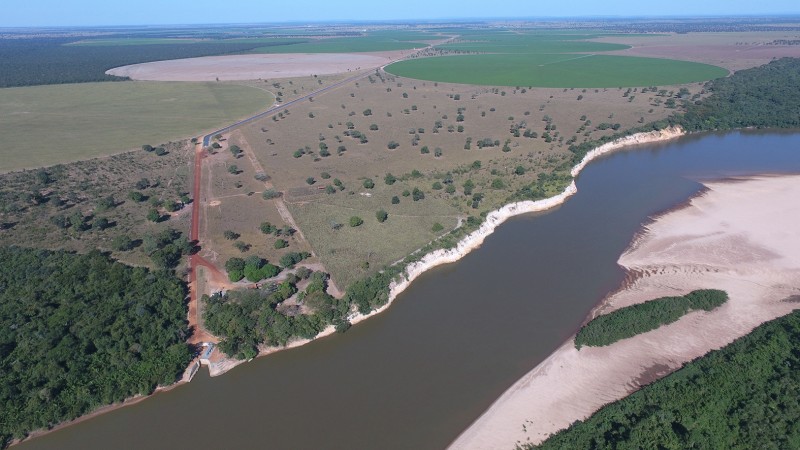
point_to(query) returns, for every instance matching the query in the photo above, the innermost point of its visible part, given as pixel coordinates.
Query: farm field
(343, 45)
(556, 70)
(46, 125)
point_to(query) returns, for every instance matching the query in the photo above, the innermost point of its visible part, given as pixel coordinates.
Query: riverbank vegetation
(740, 397)
(247, 319)
(643, 317)
(82, 331)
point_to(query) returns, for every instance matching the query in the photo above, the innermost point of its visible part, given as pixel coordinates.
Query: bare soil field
(324, 154)
(738, 236)
(255, 66)
(732, 51)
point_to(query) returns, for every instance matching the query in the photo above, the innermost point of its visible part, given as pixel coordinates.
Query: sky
(31, 13)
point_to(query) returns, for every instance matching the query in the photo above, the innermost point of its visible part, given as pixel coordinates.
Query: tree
(367, 112)
(373, 127)
(417, 194)
(101, 224)
(437, 185)
(395, 200)
(122, 243)
(392, 145)
(310, 180)
(233, 169)
(270, 194)
(281, 243)
(519, 170)
(268, 228)
(235, 151)
(231, 235)
(369, 184)
(153, 215)
(381, 215)
(389, 179)
(356, 221)
(137, 196)
(437, 227)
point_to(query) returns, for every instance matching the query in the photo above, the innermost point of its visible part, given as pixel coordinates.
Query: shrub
(281, 243)
(395, 200)
(356, 221)
(381, 215)
(369, 184)
(437, 227)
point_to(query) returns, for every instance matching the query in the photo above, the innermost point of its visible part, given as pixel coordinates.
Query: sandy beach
(737, 235)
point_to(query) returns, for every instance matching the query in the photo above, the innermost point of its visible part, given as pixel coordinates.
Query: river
(417, 375)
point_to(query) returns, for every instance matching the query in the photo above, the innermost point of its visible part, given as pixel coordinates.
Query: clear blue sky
(20, 13)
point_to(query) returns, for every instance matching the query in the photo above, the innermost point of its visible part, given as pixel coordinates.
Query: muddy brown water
(417, 375)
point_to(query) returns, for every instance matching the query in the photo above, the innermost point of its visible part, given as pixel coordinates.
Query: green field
(46, 125)
(556, 70)
(342, 45)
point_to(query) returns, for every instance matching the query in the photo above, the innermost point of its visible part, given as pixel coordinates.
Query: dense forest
(28, 62)
(643, 317)
(744, 396)
(81, 331)
(762, 97)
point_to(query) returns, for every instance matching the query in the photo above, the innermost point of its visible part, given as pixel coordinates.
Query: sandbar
(738, 235)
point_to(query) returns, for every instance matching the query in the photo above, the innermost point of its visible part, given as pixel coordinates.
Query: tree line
(29, 62)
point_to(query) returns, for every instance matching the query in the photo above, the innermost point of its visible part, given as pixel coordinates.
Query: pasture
(556, 70)
(47, 125)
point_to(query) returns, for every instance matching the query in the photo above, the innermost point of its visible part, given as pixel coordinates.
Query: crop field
(46, 125)
(556, 70)
(343, 45)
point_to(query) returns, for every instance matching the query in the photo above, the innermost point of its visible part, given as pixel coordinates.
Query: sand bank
(253, 67)
(474, 239)
(738, 235)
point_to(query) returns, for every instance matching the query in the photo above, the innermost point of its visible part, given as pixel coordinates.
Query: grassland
(421, 117)
(556, 70)
(45, 125)
(113, 42)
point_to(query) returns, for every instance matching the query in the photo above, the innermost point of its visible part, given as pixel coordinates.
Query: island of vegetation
(640, 318)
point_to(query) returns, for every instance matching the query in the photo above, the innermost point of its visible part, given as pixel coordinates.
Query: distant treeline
(643, 317)
(767, 96)
(81, 331)
(744, 396)
(29, 62)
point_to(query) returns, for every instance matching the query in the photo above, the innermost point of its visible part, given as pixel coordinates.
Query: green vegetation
(766, 96)
(743, 396)
(367, 43)
(245, 319)
(81, 331)
(46, 125)
(555, 70)
(643, 317)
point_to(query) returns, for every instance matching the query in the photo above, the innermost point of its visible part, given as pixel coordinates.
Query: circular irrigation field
(556, 70)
